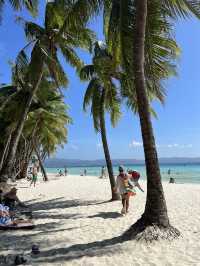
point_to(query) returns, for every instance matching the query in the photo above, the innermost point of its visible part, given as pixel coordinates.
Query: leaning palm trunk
(41, 164)
(115, 195)
(7, 169)
(155, 214)
(3, 157)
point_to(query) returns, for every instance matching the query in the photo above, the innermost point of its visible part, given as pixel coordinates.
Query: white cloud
(175, 145)
(135, 143)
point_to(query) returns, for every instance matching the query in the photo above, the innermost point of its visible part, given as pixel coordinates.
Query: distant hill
(59, 163)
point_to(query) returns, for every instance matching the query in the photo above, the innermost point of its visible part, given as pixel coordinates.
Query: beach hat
(121, 168)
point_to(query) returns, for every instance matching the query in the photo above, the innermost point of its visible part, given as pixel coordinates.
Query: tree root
(149, 233)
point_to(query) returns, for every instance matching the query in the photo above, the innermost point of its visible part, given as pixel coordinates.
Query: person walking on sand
(125, 188)
(34, 175)
(103, 172)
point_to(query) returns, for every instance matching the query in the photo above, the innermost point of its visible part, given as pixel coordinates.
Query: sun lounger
(21, 226)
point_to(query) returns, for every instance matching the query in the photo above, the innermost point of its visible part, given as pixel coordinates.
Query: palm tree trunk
(155, 210)
(3, 157)
(7, 169)
(41, 164)
(115, 195)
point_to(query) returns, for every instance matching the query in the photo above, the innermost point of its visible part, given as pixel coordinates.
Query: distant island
(59, 163)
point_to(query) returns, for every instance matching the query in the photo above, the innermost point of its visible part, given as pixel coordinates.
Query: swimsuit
(34, 178)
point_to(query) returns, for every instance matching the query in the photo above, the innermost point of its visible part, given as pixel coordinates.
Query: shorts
(34, 178)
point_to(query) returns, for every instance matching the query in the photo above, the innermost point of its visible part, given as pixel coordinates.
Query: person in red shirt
(135, 176)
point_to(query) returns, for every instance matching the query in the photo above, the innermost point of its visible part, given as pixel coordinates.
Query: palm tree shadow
(106, 215)
(77, 251)
(59, 203)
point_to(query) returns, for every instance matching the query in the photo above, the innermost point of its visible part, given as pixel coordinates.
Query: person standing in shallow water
(66, 171)
(169, 172)
(123, 185)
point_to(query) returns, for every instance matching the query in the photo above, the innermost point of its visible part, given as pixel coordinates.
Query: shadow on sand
(106, 215)
(94, 249)
(12, 241)
(60, 203)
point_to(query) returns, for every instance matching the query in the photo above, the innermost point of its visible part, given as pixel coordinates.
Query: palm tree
(49, 126)
(31, 5)
(155, 214)
(63, 30)
(44, 129)
(102, 94)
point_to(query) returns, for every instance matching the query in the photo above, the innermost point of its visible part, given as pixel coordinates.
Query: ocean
(183, 173)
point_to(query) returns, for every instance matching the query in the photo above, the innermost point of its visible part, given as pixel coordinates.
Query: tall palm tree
(155, 210)
(102, 94)
(63, 30)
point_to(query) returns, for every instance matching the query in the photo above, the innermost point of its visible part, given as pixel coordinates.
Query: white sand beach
(75, 225)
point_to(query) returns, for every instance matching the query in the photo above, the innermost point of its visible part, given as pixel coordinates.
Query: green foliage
(63, 31)
(30, 5)
(101, 75)
(160, 47)
(181, 8)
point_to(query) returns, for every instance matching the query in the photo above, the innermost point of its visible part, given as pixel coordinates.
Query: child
(125, 188)
(134, 179)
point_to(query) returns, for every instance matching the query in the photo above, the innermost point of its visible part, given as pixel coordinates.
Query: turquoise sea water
(182, 173)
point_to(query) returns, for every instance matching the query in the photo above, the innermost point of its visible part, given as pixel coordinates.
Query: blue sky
(177, 128)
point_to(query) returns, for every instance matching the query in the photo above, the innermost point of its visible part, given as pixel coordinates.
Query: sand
(76, 226)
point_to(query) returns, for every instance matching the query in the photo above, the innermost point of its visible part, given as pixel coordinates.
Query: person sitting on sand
(10, 199)
(125, 188)
(135, 176)
(6, 217)
(60, 173)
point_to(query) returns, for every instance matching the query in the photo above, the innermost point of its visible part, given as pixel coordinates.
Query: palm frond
(71, 57)
(92, 87)
(182, 8)
(33, 31)
(87, 72)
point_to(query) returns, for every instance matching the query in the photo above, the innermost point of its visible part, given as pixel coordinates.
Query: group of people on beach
(125, 185)
(60, 172)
